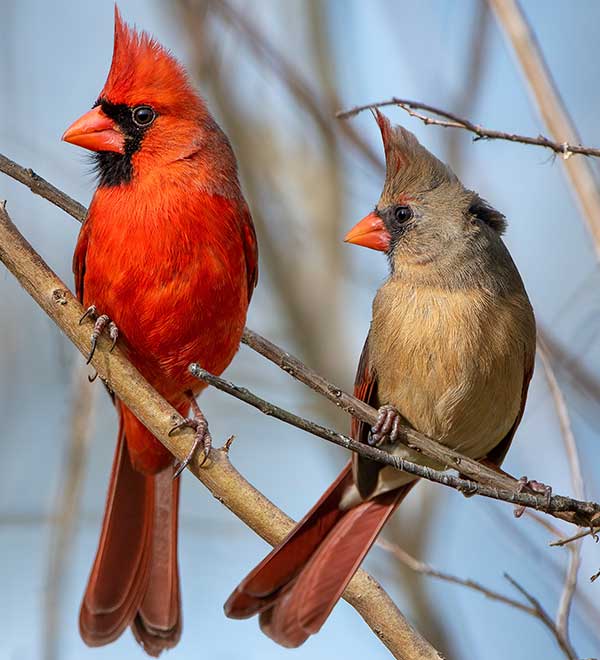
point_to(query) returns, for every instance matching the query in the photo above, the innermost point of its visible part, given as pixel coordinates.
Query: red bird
(450, 352)
(168, 257)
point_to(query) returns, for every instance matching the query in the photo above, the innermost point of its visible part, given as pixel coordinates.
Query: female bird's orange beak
(95, 131)
(370, 232)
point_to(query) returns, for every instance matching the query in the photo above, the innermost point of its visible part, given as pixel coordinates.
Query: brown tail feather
(295, 588)
(134, 579)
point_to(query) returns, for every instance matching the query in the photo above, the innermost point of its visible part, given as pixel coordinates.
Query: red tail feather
(297, 585)
(134, 579)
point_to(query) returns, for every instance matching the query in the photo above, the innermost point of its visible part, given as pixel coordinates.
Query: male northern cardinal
(168, 256)
(450, 352)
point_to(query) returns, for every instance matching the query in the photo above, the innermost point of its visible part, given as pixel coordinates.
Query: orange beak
(95, 131)
(370, 232)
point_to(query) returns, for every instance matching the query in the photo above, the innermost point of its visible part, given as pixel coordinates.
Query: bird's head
(147, 115)
(424, 211)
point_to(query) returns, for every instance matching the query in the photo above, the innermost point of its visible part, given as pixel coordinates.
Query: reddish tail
(297, 585)
(135, 578)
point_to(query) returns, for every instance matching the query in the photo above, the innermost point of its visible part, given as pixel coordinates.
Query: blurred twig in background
(546, 96)
(66, 509)
(570, 585)
(534, 608)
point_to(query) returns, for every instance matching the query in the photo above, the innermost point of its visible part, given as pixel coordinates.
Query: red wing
(365, 472)
(79, 258)
(250, 252)
(496, 456)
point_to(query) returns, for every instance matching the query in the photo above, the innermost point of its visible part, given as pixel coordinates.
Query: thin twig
(557, 503)
(570, 585)
(520, 36)
(218, 475)
(425, 569)
(593, 531)
(451, 120)
(365, 413)
(545, 618)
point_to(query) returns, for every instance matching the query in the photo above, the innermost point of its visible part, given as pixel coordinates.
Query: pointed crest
(410, 167)
(142, 71)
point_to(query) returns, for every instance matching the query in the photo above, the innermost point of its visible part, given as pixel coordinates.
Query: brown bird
(450, 352)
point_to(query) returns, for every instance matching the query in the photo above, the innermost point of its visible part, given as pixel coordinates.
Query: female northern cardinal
(168, 256)
(450, 352)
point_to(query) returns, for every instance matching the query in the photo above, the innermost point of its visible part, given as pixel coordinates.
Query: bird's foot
(202, 436)
(386, 428)
(535, 487)
(102, 322)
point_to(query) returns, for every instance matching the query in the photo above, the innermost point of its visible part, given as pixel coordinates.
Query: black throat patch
(115, 169)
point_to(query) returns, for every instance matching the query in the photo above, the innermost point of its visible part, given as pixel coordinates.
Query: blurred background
(274, 73)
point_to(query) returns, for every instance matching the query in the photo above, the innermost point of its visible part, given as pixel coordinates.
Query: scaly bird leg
(202, 436)
(386, 428)
(102, 322)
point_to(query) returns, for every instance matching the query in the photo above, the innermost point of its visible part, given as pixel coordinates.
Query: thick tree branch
(220, 477)
(451, 120)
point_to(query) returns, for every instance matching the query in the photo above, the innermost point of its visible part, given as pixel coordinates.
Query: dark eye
(402, 213)
(143, 115)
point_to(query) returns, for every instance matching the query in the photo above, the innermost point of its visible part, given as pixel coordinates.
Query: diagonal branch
(570, 585)
(558, 504)
(521, 37)
(545, 618)
(219, 476)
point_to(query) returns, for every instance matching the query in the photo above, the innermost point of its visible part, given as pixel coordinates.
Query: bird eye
(402, 213)
(143, 115)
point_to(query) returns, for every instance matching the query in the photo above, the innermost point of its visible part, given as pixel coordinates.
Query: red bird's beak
(370, 232)
(95, 131)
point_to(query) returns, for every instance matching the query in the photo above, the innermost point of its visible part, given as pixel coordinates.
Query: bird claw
(201, 437)
(103, 321)
(534, 486)
(386, 428)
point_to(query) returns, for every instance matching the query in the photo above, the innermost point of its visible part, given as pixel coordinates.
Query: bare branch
(557, 504)
(218, 475)
(42, 188)
(568, 593)
(451, 120)
(521, 37)
(593, 531)
(425, 569)
(545, 618)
